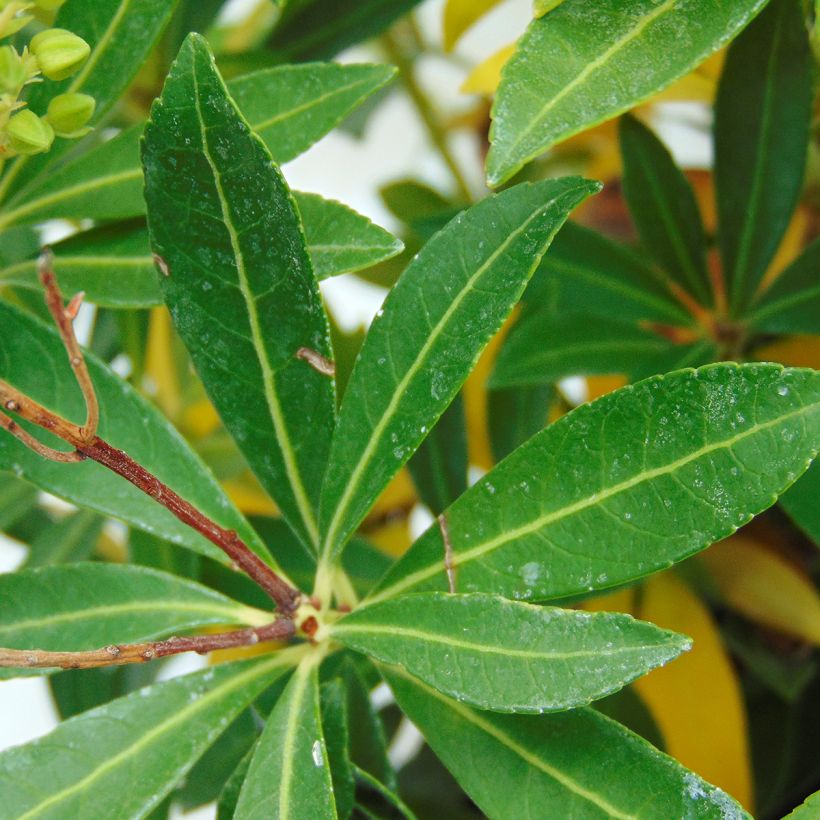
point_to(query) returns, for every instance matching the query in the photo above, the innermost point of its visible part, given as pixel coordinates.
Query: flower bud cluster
(53, 54)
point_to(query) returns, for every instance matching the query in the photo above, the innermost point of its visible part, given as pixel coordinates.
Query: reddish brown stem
(118, 654)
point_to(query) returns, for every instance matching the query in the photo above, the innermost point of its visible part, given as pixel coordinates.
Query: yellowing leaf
(790, 248)
(159, 364)
(598, 386)
(392, 538)
(484, 78)
(696, 702)
(249, 496)
(460, 15)
(399, 494)
(622, 600)
(200, 419)
(794, 351)
(756, 582)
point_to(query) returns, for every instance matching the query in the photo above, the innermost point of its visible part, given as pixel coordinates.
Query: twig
(32, 443)
(118, 654)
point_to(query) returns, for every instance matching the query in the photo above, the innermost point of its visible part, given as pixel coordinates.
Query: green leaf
(127, 422)
(339, 239)
(291, 107)
(515, 415)
(437, 319)
(439, 466)
(792, 303)
(508, 656)
(111, 264)
(289, 776)
(808, 810)
(762, 118)
(549, 92)
(663, 208)
(121, 759)
(229, 796)
(574, 764)
(397, 806)
(90, 605)
(240, 285)
(333, 699)
(541, 7)
(320, 29)
(66, 540)
(800, 502)
(624, 486)
(585, 272)
(16, 499)
(542, 348)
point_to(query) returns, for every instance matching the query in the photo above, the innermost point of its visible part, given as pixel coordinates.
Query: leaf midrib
(461, 558)
(300, 683)
(398, 394)
(488, 649)
(268, 376)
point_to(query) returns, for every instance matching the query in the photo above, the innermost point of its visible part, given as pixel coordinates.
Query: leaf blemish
(161, 264)
(318, 362)
(448, 554)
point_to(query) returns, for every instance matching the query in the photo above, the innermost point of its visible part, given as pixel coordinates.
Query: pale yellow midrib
(178, 718)
(487, 649)
(231, 614)
(77, 262)
(398, 393)
(590, 68)
(471, 716)
(282, 434)
(301, 680)
(596, 498)
(94, 58)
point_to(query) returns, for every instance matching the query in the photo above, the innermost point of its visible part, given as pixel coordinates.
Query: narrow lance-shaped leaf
(505, 655)
(792, 303)
(128, 422)
(762, 118)
(114, 266)
(66, 540)
(543, 348)
(239, 283)
(90, 605)
(121, 759)
(574, 764)
(434, 324)
(515, 414)
(578, 66)
(290, 107)
(624, 486)
(663, 208)
(335, 719)
(289, 776)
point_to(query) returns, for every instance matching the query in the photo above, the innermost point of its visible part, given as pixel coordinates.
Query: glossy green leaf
(16, 499)
(439, 466)
(434, 324)
(549, 92)
(320, 29)
(90, 605)
(289, 106)
(624, 486)
(398, 808)
(762, 118)
(792, 303)
(516, 414)
(128, 422)
(575, 764)
(585, 272)
(541, 7)
(66, 540)
(121, 759)
(505, 655)
(229, 796)
(808, 810)
(542, 348)
(289, 776)
(663, 208)
(333, 698)
(240, 285)
(801, 504)
(339, 239)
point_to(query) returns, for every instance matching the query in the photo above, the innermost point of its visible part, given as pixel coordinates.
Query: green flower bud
(29, 134)
(13, 72)
(59, 53)
(68, 114)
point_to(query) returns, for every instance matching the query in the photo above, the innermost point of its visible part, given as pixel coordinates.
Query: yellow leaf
(200, 419)
(696, 701)
(249, 496)
(793, 243)
(460, 15)
(598, 386)
(794, 351)
(756, 582)
(392, 537)
(484, 78)
(159, 364)
(399, 494)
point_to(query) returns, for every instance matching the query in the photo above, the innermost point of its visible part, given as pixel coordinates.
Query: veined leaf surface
(762, 115)
(240, 285)
(289, 776)
(128, 422)
(508, 656)
(89, 605)
(582, 64)
(121, 759)
(573, 764)
(434, 324)
(626, 485)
